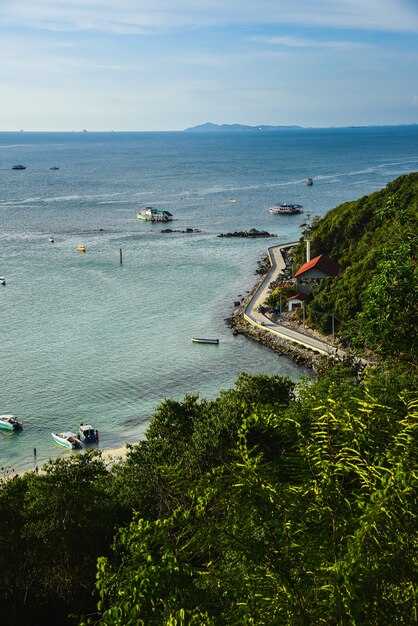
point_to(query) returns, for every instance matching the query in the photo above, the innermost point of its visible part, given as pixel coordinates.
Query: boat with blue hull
(68, 440)
(10, 422)
(88, 434)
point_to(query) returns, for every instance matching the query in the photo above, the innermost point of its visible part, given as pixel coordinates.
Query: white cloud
(296, 42)
(146, 16)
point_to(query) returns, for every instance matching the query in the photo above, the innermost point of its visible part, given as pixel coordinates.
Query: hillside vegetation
(374, 240)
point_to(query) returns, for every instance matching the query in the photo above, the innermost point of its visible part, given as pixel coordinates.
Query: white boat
(309, 181)
(202, 340)
(285, 209)
(51, 239)
(67, 439)
(149, 214)
(232, 200)
(88, 434)
(10, 422)
(2, 280)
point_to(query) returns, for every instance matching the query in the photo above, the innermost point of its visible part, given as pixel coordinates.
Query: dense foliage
(374, 240)
(273, 504)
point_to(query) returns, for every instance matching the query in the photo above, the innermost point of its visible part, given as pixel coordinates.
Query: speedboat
(2, 280)
(202, 340)
(232, 200)
(9, 422)
(285, 209)
(68, 440)
(81, 248)
(149, 214)
(19, 167)
(88, 434)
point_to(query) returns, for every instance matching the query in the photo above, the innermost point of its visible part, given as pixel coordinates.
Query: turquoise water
(86, 339)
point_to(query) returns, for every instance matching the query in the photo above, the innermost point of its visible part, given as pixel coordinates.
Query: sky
(155, 65)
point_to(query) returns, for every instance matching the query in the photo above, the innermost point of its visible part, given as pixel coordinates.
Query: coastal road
(256, 318)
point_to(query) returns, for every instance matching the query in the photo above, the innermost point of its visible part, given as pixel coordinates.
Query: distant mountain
(216, 128)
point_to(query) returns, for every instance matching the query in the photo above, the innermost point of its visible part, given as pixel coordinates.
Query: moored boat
(51, 239)
(285, 209)
(309, 181)
(81, 248)
(149, 214)
(203, 340)
(10, 422)
(19, 166)
(67, 439)
(2, 280)
(88, 434)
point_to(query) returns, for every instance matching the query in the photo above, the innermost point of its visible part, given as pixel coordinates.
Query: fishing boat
(67, 439)
(10, 422)
(202, 340)
(285, 209)
(2, 280)
(81, 248)
(309, 181)
(19, 167)
(149, 214)
(88, 434)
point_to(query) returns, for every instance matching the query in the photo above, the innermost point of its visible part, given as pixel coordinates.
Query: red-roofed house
(298, 300)
(313, 271)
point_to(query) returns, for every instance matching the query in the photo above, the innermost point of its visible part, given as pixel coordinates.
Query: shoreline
(239, 321)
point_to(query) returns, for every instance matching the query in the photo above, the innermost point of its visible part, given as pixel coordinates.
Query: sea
(86, 338)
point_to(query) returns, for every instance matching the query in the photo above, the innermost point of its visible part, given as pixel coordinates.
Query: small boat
(309, 182)
(19, 167)
(10, 422)
(2, 280)
(68, 440)
(54, 167)
(285, 209)
(51, 239)
(202, 340)
(88, 434)
(81, 248)
(232, 200)
(149, 214)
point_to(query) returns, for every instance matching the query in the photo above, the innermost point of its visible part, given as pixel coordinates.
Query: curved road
(254, 317)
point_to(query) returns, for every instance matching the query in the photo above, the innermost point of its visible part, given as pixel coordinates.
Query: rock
(253, 232)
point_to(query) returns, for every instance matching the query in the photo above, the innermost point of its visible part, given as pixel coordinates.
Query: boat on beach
(284, 208)
(88, 434)
(67, 439)
(203, 340)
(149, 214)
(10, 422)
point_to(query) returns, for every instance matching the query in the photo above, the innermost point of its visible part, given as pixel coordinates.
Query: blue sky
(169, 64)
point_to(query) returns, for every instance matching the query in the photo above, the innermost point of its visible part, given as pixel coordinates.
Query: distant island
(208, 127)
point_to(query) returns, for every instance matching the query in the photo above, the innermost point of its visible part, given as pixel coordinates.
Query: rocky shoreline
(298, 354)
